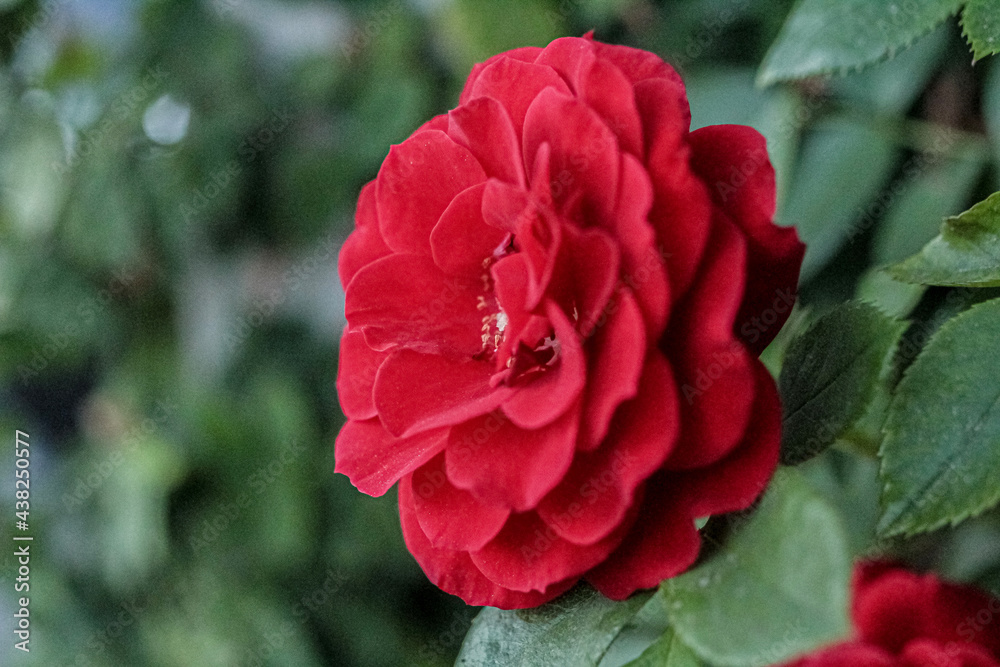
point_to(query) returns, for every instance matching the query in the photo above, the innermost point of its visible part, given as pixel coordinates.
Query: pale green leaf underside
(825, 36)
(777, 589)
(575, 629)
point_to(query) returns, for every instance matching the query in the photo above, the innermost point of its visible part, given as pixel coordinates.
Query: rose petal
(733, 160)
(614, 366)
(407, 300)
(548, 396)
(503, 204)
(374, 460)
(526, 54)
(736, 481)
(527, 555)
(597, 492)
(643, 256)
(572, 57)
(483, 126)
(356, 375)
(584, 155)
(417, 181)
(663, 542)
(514, 84)
(508, 466)
(417, 392)
(461, 240)
(591, 279)
(639, 65)
(714, 369)
(682, 209)
(610, 94)
(455, 573)
(365, 243)
(450, 517)
(842, 655)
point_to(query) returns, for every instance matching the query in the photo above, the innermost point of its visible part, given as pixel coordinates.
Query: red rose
(556, 294)
(902, 619)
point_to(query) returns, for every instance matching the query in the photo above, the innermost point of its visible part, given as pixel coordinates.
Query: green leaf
(823, 36)
(829, 191)
(667, 651)
(777, 589)
(966, 253)
(830, 374)
(981, 26)
(941, 453)
(575, 629)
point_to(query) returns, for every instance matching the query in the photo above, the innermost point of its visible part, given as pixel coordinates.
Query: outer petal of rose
(438, 122)
(407, 300)
(732, 160)
(514, 84)
(527, 555)
(417, 392)
(417, 181)
(452, 518)
(615, 363)
(638, 64)
(507, 466)
(662, 543)
(847, 654)
(929, 653)
(374, 460)
(584, 154)
(455, 573)
(736, 481)
(461, 240)
(356, 375)
(956, 603)
(610, 94)
(596, 493)
(643, 257)
(525, 53)
(365, 243)
(681, 212)
(546, 398)
(572, 57)
(714, 370)
(484, 127)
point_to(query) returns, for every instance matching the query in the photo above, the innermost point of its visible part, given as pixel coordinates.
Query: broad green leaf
(919, 203)
(830, 374)
(829, 192)
(966, 253)
(824, 36)
(667, 651)
(941, 453)
(575, 629)
(778, 588)
(981, 26)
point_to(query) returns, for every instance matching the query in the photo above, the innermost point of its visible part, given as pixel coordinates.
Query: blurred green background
(176, 178)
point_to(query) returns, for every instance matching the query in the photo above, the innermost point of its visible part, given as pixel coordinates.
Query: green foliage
(830, 375)
(941, 453)
(981, 26)
(789, 564)
(825, 36)
(576, 629)
(966, 253)
(667, 651)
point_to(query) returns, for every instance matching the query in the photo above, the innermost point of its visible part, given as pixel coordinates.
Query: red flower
(555, 295)
(903, 619)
